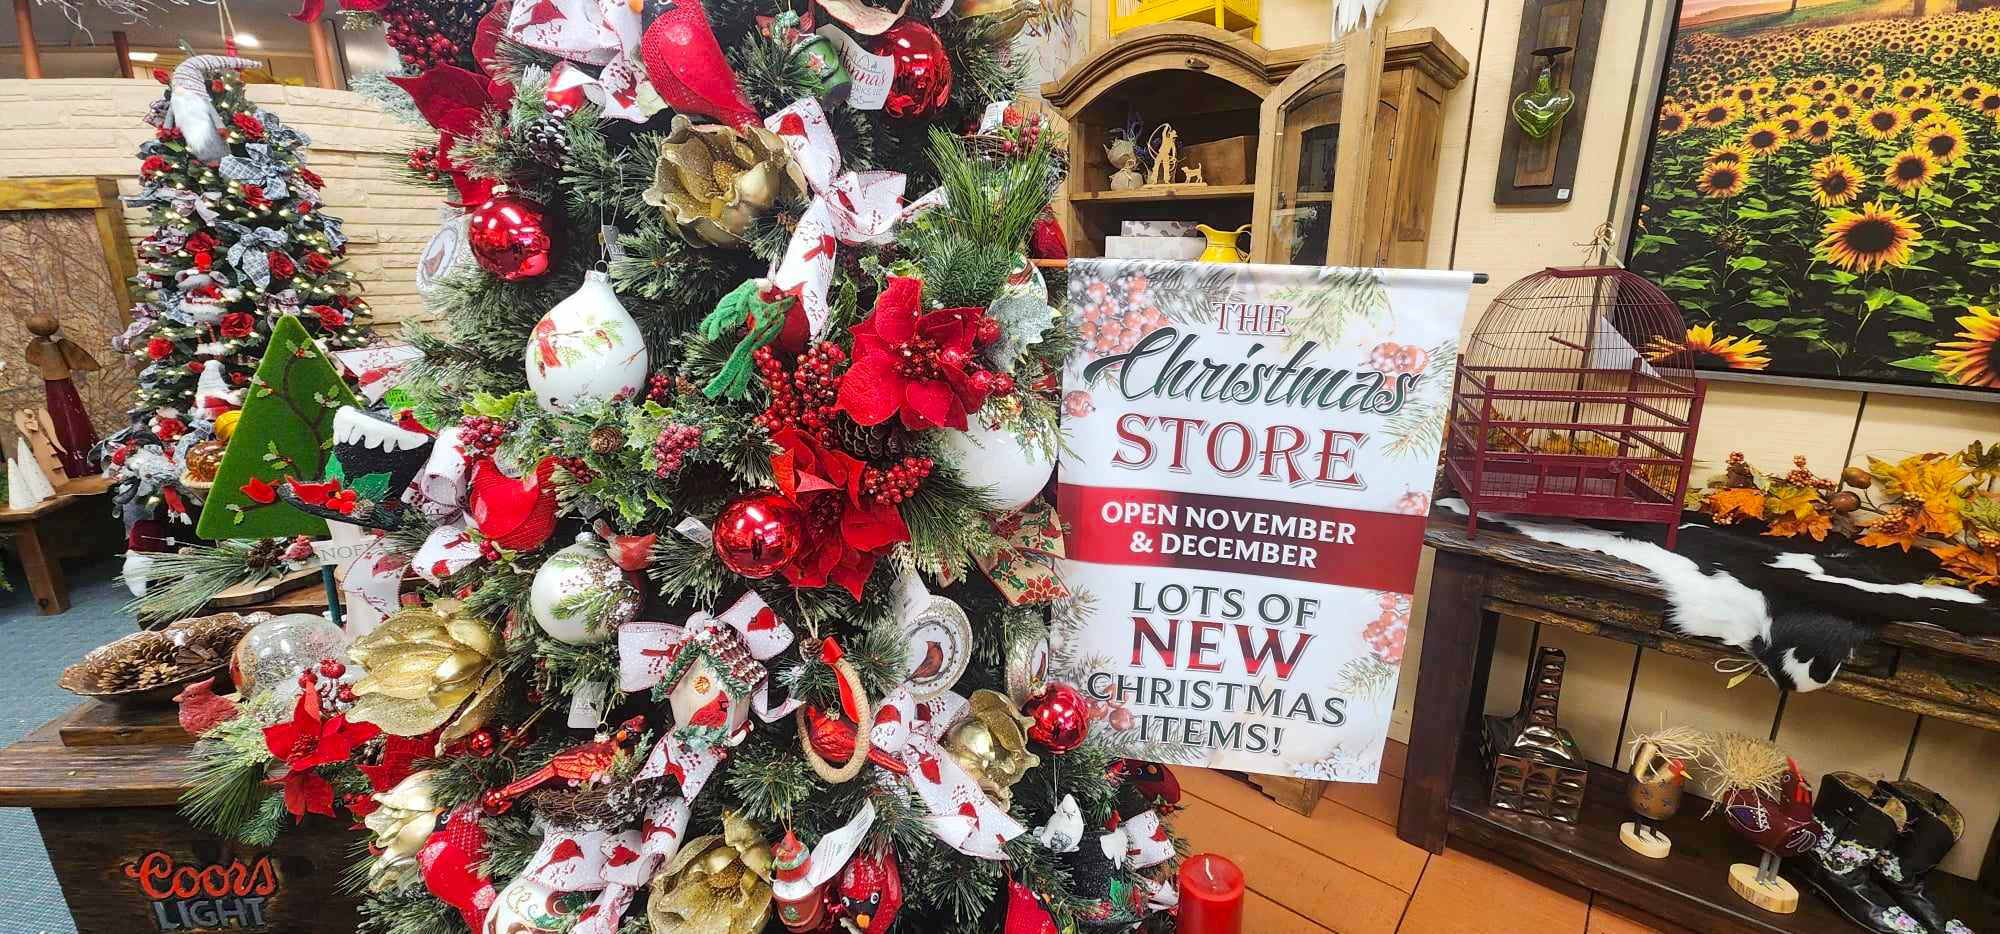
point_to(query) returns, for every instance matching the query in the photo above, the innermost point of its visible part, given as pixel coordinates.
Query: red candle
(1211, 896)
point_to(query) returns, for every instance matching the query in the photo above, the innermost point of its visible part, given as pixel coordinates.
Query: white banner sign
(1252, 450)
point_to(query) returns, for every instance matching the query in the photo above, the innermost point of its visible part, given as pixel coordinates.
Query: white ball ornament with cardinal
(586, 349)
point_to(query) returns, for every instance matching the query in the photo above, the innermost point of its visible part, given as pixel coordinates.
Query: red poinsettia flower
(251, 127)
(238, 324)
(254, 197)
(317, 261)
(203, 242)
(152, 165)
(259, 491)
(281, 265)
(914, 363)
(310, 739)
(167, 428)
(159, 348)
(329, 316)
(846, 531)
(311, 177)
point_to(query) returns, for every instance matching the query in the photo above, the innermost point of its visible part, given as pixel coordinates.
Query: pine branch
(180, 583)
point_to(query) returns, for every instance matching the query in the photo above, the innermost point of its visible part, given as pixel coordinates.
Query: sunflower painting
(1822, 192)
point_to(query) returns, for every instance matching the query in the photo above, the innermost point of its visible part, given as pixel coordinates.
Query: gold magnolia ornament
(717, 884)
(991, 744)
(403, 819)
(427, 667)
(712, 181)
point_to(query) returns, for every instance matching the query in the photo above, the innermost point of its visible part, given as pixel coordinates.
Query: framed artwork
(1821, 191)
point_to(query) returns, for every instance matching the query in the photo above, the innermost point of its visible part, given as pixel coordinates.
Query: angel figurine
(57, 359)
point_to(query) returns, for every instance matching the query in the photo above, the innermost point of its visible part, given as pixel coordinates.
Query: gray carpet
(37, 648)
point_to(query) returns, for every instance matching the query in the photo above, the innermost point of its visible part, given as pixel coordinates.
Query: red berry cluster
(987, 382)
(423, 160)
(415, 36)
(325, 679)
(804, 398)
(1027, 131)
(480, 435)
(660, 388)
(577, 468)
(893, 485)
(672, 446)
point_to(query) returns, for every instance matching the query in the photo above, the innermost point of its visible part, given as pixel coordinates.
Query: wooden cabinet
(1214, 85)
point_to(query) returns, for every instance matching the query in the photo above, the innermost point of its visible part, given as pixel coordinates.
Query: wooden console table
(1477, 580)
(105, 787)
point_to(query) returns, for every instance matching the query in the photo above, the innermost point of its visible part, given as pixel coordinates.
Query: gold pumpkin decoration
(428, 667)
(719, 884)
(713, 181)
(991, 744)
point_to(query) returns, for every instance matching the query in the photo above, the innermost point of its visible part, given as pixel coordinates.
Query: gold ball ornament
(225, 424)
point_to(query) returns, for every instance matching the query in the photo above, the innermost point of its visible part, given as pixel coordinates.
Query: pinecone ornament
(606, 440)
(149, 663)
(266, 554)
(546, 140)
(871, 442)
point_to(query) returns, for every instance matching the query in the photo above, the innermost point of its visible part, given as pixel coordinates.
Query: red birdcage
(1576, 396)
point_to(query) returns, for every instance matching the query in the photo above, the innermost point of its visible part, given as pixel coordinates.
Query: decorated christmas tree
(732, 563)
(239, 239)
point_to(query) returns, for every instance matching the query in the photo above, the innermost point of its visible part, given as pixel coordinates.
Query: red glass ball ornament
(759, 533)
(922, 82)
(1062, 718)
(511, 238)
(480, 742)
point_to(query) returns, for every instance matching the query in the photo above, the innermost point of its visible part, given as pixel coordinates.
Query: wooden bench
(63, 526)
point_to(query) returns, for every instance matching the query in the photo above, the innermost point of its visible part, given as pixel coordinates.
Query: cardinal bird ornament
(579, 766)
(516, 514)
(685, 64)
(871, 891)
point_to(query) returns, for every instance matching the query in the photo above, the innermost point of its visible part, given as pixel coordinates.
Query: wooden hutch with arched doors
(1313, 203)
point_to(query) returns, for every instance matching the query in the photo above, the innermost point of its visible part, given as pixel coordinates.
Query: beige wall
(93, 126)
(1611, 685)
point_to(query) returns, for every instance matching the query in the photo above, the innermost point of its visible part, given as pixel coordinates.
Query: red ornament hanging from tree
(759, 533)
(1062, 718)
(511, 238)
(685, 63)
(922, 82)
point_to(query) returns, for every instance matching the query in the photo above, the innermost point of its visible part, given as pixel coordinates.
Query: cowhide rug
(1796, 606)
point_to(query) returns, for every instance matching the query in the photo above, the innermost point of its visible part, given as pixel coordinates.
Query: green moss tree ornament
(286, 431)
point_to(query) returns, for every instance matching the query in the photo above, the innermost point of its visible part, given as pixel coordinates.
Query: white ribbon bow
(856, 208)
(960, 813)
(439, 492)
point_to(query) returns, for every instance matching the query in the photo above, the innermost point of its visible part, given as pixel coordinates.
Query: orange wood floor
(1343, 869)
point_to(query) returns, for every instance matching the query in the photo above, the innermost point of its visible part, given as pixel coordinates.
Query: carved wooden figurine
(57, 358)
(1166, 155)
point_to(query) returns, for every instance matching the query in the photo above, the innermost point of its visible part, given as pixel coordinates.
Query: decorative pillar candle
(1211, 896)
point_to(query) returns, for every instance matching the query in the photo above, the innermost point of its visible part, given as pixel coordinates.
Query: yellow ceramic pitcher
(1222, 244)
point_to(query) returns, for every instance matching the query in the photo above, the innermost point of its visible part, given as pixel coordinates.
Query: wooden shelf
(1168, 193)
(1690, 886)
